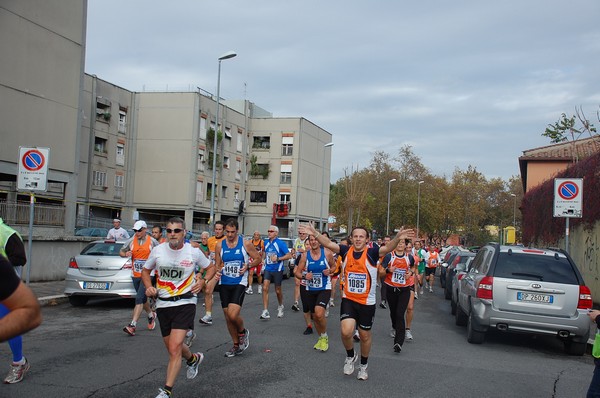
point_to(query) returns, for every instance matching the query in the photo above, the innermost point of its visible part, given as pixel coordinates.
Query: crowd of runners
(170, 275)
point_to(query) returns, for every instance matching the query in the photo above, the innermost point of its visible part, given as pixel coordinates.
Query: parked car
(457, 261)
(517, 289)
(99, 271)
(460, 272)
(447, 259)
(96, 232)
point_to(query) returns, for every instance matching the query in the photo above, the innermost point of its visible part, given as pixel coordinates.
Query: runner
(297, 251)
(259, 245)
(231, 259)
(359, 273)
(421, 257)
(176, 288)
(411, 303)
(432, 264)
(398, 268)
(210, 286)
(383, 303)
(314, 268)
(276, 252)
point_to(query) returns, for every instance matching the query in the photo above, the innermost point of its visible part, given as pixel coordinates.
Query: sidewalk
(49, 293)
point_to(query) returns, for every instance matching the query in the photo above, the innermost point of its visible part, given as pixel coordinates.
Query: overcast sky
(462, 82)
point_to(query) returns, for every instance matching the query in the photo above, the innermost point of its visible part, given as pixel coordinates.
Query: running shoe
(383, 305)
(362, 372)
(393, 333)
(152, 321)
(249, 290)
(416, 295)
(259, 289)
(163, 393)
(408, 335)
(189, 338)
(331, 303)
(129, 329)
(356, 336)
(308, 330)
(192, 369)
(17, 372)
(349, 364)
(295, 307)
(322, 344)
(430, 290)
(327, 311)
(206, 320)
(265, 315)
(245, 340)
(397, 347)
(421, 292)
(280, 311)
(234, 351)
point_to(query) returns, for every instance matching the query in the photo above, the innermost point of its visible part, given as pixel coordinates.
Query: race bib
(399, 276)
(316, 282)
(138, 265)
(231, 269)
(270, 256)
(357, 283)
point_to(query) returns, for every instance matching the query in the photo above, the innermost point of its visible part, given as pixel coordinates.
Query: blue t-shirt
(317, 266)
(234, 260)
(277, 247)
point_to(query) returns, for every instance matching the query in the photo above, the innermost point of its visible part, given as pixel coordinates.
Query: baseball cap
(116, 220)
(139, 225)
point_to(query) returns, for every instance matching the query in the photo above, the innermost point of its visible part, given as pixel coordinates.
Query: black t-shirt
(9, 281)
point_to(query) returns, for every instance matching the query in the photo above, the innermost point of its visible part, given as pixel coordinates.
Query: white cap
(139, 225)
(116, 220)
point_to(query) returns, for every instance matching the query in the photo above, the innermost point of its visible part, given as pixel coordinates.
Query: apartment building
(143, 155)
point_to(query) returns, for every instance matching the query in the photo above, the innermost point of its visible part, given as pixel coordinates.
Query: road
(83, 352)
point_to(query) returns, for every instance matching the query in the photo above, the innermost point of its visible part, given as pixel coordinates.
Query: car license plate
(535, 297)
(95, 285)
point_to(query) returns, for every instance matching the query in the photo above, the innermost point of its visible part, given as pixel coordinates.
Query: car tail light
(585, 298)
(484, 288)
(128, 264)
(73, 263)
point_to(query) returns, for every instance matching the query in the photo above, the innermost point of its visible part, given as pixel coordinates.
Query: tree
(571, 129)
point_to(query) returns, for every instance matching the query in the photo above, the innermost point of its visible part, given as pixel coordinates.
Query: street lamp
(328, 145)
(227, 55)
(387, 223)
(418, 206)
(514, 210)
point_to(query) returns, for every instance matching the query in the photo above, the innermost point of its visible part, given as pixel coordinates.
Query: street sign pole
(31, 213)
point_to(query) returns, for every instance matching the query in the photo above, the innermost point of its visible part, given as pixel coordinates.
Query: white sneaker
(192, 370)
(327, 311)
(163, 394)
(408, 335)
(265, 315)
(259, 289)
(331, 303)
(393, 333)
(349, 364)
(206, 320)
(421, 292)
(249, 290)
(416, 295)
(362, 372)
(430, 290)
(280, 311)
(190, 336)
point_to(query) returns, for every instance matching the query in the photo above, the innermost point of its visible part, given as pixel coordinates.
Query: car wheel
(474, 336)
(573, 348)
(460, 316)
(452, 307)
(78, 301)
(448, 291)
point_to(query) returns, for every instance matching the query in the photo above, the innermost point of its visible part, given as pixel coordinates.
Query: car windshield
(535, 268)
(102, 249)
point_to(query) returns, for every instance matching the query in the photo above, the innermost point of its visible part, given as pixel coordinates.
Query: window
(120, 160)
(286, 174)
(287, 146)
(203, 128)
(261, 143)
(226, 162)
(102, 109)
(228, 133)
(284, 197)
(238, 169)
(201, 159)
(240, 141)
(122, 121)
(199, 191)
(100, 145)
(209, 191)
(223, 191)
(99, 178)
(119, 181)
(258, 196)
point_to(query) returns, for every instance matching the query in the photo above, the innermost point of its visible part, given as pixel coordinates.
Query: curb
(52, 300)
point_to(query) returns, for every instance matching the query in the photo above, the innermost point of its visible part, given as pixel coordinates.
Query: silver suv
(517, 289)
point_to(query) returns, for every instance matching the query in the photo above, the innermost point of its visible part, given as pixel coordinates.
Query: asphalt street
(83, 352)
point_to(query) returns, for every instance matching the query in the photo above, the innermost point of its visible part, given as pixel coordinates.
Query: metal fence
(44, 214)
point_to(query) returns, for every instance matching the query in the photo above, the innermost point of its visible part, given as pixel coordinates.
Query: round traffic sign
(568, 190)
(33, 160)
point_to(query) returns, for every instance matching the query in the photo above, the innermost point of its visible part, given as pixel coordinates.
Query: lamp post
(514, 210)
(328, 145)
(227, 55)
(418, 206)
(387, 223)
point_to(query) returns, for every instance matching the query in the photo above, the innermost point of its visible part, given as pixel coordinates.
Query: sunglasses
(174, 231)
(270, 230)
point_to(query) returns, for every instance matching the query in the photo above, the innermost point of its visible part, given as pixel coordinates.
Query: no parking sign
(33, 169)
(568, 197)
